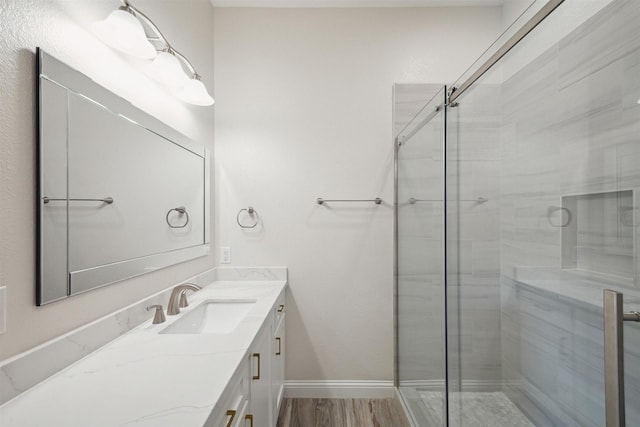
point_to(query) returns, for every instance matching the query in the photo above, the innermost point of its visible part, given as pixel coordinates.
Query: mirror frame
(57, 72)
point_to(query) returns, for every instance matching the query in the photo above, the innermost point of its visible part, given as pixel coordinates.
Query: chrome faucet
(178, 298)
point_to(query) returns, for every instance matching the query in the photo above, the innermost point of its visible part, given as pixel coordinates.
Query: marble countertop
(144, 378)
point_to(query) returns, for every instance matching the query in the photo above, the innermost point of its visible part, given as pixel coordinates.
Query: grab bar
(107, 200)
(322, 201)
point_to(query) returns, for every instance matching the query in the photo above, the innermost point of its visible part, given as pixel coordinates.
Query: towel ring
(552, 209)
(181, 210)
(250, 211)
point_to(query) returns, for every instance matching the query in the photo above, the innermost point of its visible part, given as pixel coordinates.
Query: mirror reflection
(121, 194)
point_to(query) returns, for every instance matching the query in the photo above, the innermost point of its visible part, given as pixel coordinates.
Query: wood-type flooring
(341, 413)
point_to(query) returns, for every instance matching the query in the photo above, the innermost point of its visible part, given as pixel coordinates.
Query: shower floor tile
(474, 409)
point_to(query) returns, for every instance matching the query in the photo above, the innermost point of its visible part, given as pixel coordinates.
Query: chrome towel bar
(413, 201)
(322, 201)
(107, 200)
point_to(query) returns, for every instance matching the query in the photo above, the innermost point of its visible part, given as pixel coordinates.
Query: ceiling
(354, 3)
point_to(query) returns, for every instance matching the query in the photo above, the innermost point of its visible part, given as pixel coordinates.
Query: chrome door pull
(614, 317)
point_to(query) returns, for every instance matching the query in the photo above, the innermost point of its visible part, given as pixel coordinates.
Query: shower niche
(598, 234)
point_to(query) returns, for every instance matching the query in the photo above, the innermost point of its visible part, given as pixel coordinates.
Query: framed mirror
(120, 193)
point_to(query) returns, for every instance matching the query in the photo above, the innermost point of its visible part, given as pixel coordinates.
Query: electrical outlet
(3, 310)
(225, 255)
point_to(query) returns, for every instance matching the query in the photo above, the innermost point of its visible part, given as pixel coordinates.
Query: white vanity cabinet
(260, 385)
(267, 369)
(277, 358)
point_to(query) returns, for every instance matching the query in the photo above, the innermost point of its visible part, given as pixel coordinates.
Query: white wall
(304, 111)
(63, 29)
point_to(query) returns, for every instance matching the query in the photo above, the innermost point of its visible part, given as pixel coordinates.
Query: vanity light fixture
(123, 30)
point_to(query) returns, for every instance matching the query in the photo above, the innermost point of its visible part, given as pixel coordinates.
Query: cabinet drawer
(234, 402)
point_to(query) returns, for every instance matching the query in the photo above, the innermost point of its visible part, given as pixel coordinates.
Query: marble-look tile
(606, 37)
(475, 409)
(408, 100)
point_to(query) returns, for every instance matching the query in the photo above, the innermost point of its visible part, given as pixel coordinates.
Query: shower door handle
(614, 317)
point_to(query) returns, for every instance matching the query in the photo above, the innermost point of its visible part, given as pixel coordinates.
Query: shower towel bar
(107, 200)
(322, 201)
(413, 201)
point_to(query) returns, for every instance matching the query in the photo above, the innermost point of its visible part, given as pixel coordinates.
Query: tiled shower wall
(570, 127)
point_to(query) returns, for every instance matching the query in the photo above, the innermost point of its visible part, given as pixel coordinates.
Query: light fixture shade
(122, 31)
(194, 92)
(167, 70)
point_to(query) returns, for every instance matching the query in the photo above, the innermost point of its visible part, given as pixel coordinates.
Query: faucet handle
(183, 300)
(158, 317)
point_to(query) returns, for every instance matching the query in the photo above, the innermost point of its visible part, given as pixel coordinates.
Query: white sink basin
(211, 317)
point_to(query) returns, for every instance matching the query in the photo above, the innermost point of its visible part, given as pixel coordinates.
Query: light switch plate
(3, 310)
(225, 255)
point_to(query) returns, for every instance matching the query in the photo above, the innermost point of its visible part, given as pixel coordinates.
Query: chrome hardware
(251, 211)
(176, 295)
(107, 200)
(614, 317)
(322, 201)
(403, 139)
(279, 341)
(183, 300)
(413, 200)
(528, 26)
(256, 355)
(566, 212)
(182, 211)
(280, 308)
(158, 317)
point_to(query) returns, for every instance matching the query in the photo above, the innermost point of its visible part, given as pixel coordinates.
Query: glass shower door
(420, 265)
(543, 189)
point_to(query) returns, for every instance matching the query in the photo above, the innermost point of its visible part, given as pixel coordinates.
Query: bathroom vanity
(199, 368)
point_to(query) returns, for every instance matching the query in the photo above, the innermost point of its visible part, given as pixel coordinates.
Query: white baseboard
(339, 389)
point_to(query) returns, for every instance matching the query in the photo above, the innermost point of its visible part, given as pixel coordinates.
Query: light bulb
(194, 92)
(122, 31)
(166, 69)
